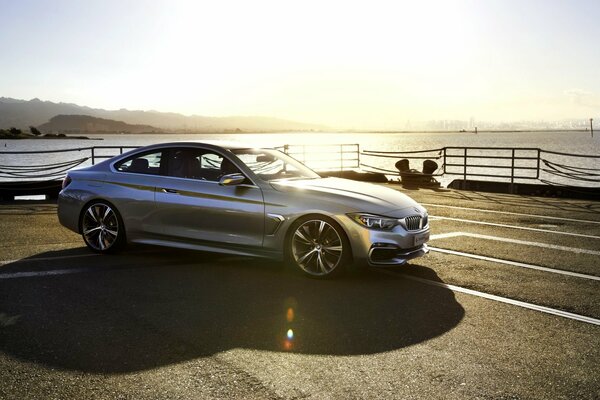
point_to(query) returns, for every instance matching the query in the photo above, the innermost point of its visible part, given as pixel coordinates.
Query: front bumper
(385, 248)
(382, 255)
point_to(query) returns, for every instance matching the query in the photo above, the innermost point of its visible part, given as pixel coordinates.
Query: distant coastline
(25, 136)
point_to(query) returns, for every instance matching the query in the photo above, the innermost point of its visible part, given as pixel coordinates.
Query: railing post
(512, 171)
(465, 170)
(537, 176)
(444, 160)
(93, 157)
(358, 155)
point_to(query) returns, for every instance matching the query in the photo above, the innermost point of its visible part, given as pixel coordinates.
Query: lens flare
(290, 334)
(290, 314)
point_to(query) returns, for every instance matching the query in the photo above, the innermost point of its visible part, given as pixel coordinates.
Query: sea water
(579, 142)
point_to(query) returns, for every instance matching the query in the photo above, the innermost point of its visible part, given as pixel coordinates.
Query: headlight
(374, 221)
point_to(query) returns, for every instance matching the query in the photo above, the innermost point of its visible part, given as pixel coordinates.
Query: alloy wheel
(317, 247)
(100, 227)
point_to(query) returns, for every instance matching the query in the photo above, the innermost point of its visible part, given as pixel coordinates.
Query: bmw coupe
(241, 200)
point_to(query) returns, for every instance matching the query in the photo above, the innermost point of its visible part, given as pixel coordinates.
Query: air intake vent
(413, 223)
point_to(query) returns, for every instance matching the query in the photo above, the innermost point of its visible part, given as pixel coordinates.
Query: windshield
(270, 165)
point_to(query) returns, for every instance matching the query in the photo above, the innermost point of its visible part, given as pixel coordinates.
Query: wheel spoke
(320, 232)
(305, 256)
(321, 264)
(106, 213)
(307, 233)
(302, 237)
(113, 233)
(100, 241)
(333, 249)
(88, 231)
(91, 212)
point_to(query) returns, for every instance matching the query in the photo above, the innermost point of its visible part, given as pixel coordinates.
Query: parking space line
(513, 213)
(24, 260)
(470, 221)
(514, 263)
(46, 258)
(32, 274)
(516, 241)
(519, 303)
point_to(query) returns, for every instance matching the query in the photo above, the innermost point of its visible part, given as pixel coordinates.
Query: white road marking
(515, 263)
(516, 241)
(23, 260)
(501, 299)
(32, 274)
(46, 258)
(513, 213)
(447, 235)
(470, 221)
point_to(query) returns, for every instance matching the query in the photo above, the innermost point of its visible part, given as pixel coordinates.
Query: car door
(132, 189)
(193, 206)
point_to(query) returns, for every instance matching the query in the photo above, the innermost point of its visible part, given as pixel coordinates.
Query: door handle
(173, 191)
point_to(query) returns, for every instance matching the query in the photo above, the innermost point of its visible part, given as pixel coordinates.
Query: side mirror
(231, 179)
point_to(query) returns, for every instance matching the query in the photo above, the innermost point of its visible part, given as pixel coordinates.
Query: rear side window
(147, 163)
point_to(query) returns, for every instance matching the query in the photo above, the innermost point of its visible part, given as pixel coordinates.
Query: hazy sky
(368, 64)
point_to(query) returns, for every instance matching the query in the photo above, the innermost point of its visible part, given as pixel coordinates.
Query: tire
(102, 227)
(318, 247)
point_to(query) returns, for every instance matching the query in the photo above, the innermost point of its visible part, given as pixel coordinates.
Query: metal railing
(504, 163)
(339, 157)
(511, 164)
(99, 152)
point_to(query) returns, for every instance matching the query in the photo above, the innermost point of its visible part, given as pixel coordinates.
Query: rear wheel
(102, 227)
(318, 247)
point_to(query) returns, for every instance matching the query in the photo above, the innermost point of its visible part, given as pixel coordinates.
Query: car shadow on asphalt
(132, 312)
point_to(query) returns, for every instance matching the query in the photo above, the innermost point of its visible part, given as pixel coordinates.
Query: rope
(571, 168)
(570, 172)
(569, 176)
(41, 166)
(39, 171)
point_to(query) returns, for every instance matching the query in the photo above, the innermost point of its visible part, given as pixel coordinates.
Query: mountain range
(88, 124)
(35, 112)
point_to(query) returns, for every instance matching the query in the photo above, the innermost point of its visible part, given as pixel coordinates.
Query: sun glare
(273, 59)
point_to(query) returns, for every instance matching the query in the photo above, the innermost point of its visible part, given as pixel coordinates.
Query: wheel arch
(304, 217)
(100, 200)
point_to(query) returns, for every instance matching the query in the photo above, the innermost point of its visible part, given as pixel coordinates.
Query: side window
(198, 164)
(211, 161)
(148, 163)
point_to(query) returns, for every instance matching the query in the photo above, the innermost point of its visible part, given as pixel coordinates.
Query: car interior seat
(139, 165)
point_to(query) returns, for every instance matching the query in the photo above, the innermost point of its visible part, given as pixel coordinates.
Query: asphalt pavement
(506, 306)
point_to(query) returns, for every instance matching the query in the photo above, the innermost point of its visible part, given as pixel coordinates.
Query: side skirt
(212, 247)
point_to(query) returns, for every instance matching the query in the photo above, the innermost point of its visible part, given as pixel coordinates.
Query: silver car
(241, 200)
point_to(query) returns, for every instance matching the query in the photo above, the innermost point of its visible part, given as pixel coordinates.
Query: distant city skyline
(341, 64)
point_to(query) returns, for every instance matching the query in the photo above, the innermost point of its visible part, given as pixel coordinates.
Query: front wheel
(101, 227)
(318, 247)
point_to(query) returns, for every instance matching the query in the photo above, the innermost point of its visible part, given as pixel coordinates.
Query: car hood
(360, 196)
